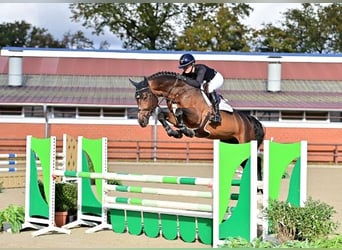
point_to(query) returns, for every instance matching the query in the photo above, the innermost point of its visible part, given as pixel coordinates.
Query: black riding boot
(215, 100)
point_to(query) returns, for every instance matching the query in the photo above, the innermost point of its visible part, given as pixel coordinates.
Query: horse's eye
(137, 96)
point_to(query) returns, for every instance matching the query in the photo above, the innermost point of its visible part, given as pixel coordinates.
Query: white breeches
(216, 82)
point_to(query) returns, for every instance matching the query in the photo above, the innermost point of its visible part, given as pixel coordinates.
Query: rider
(203, 74)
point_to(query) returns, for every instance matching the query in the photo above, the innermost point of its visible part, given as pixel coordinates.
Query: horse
(189, 110)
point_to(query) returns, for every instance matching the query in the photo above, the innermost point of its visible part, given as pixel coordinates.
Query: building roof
(309, 83)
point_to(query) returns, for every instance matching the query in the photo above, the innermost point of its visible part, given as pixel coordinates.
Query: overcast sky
(55, 17)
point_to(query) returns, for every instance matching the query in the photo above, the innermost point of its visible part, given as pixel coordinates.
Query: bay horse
(189, 110)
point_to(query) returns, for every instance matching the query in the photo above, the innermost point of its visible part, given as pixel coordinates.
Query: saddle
(224, 104)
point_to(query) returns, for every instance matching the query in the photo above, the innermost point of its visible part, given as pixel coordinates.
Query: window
(89, 112)
(335, 116)
(114, 112)
(11, 110)
(265, 115)
(292, 115)
(132, 113)
(33, 111)
(64, 112)
(316, 115)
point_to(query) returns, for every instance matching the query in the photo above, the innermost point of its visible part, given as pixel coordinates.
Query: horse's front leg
(180, 123)
(162, 118)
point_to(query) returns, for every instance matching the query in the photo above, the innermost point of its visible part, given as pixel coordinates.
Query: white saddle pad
(224, 105)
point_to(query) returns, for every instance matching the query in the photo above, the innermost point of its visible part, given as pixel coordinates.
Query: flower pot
(7, 227)
(61, 218)
(71, 218)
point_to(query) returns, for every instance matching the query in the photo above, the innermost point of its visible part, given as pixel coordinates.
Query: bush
(66, 197)
(14, 215)
(237, 242)
(308, 223)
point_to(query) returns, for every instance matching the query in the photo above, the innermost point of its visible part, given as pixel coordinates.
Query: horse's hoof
(175, 134)
(187, 132)
(191, 134)
(178, 135)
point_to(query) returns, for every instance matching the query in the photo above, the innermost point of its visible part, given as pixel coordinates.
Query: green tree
(313, 28)
(14, 34)
(168, 26)
(22, 34)
(139, 26)
(215, 27)
(40, 38)
(331, 17)
(76, 40)
(273, 39)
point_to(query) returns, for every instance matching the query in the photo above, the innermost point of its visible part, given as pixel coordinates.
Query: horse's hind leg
(259, 167)
(180, 123)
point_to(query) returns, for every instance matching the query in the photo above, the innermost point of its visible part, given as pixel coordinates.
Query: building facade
(87, 92)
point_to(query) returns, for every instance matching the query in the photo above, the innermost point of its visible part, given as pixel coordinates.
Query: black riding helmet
(186, 60)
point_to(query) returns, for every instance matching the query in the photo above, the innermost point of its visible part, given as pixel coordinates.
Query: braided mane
(174, 75)
(163, 74)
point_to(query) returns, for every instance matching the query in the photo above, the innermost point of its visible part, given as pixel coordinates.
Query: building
(87, 92)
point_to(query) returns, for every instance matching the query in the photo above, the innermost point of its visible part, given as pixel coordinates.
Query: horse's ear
(134, 83)
(145, 81)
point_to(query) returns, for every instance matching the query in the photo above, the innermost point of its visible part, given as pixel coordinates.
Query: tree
(312, 29)
(76, 40)
(232, 34)
(14, 34)
(215, 27)
(331, 17)
(140, 25)
(40, 38)
(272, 39)
(168, 26)
(22, 34)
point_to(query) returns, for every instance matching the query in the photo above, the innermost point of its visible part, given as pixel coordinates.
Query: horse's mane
(174, 75)
(163, 74)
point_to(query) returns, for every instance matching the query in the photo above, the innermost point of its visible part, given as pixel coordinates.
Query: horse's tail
(259, 130)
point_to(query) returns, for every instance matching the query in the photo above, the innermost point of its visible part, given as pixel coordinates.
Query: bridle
(138, 94)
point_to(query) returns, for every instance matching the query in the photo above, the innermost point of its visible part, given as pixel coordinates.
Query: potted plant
(12, 218)
(66, 202)
(70, 195)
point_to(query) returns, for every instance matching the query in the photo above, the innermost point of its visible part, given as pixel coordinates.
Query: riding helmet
(186, 60)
